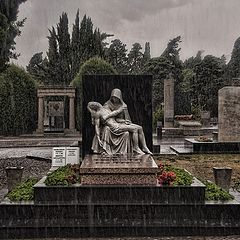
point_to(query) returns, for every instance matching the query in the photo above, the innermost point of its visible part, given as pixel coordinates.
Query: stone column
(71, 114)
(168, 103)
(229, 114)
(40, 115)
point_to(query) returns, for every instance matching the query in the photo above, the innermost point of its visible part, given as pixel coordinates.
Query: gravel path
(45, 152)
(32, 168)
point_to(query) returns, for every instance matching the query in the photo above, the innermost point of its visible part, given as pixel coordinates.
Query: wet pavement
(153, 238)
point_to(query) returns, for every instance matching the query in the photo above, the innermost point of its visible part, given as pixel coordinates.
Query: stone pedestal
(205, 118)
(168, 103)
(222, 177)
(229, 114)
(14, 177)
(119, 169)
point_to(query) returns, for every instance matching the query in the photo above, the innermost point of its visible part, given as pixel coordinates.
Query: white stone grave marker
(72, 155)
(58, 156)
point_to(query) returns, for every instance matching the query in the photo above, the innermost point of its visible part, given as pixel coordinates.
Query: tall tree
(193, 61)
(67, 53)
(181, 103)
(63, 37)
(147, 53)
(37, 66)
(234, 63)
(53, 70)
(159, 67)
(135, 57)
(117, 55)
(208, 80)
(75, 47)
(9, 30)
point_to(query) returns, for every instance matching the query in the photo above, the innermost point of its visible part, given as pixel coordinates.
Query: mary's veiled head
(116, 96)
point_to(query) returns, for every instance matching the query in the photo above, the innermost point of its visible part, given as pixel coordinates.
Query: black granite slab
(212, 147)
(117, 220)
(137, 94)
(119, 194)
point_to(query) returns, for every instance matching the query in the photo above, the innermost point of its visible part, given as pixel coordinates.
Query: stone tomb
(119, 169)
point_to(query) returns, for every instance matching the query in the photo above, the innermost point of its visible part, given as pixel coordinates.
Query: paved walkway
(42, 147)
(152, 238)
(44, 152)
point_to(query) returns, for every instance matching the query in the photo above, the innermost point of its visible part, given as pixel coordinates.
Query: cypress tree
(234, 63)
(63, 38)
(135, 57)
(117, 55)
(9, 30)
(53, 70)
(75, 48)
(146, 54)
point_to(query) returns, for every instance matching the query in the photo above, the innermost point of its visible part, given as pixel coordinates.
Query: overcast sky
(209, 25)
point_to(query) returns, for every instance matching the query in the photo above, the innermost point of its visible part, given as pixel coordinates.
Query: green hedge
(18, 108)
(92, 66)
(64, 176)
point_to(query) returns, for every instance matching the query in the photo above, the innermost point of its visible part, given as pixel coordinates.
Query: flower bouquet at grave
(165, 177)
(173, 176)
(203, 139)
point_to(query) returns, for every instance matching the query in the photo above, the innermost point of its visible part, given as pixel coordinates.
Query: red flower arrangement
(165, 177)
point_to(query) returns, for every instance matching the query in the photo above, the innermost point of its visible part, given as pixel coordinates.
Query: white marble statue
(114, 131)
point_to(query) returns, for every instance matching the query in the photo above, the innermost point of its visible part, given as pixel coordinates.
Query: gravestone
(229, 114)
(205, 118)
(72, 155)
(136, 92)
(168, 103)
(58, 156)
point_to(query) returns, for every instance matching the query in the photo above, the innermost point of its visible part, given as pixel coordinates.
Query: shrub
(92, 66)
(63, 176)
(213, 192)
(18, 108)
(24, 191)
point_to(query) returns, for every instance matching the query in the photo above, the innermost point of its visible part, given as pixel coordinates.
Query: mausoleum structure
(56, 91)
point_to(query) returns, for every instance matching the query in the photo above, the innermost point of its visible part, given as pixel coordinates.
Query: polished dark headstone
(137, 94)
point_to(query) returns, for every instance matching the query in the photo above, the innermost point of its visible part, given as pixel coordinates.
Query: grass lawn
(201, 165)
